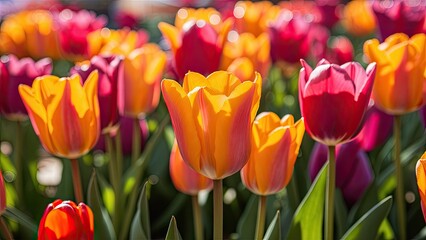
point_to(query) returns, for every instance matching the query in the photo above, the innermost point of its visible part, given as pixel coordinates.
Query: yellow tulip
(400, 82)
(358, 18)
(139, 89)
(421, 182)
(255, 49)
(212, 119)
(209, 15)
(275, 146)
(64, 114)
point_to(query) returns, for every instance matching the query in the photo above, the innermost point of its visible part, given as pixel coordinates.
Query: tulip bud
(65, 220)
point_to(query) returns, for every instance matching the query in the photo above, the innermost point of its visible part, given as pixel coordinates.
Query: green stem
(261, 216)
(136, 143)
(19, 183)
(76, 180)
(119, 153)
(399, 179)
(329, 201)
(115, 182)
(5, 230)
(293, 194)
(217, 209)
(198, 222)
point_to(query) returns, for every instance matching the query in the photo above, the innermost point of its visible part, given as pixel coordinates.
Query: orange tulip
(400, 84)
(358, 18)
(184, 178)
(254, 17)
(65, 220)
(275, 146)
(421, 182)
(64, 114)
(209, 15)
(255, 49)
(139, 89)
(212, 119)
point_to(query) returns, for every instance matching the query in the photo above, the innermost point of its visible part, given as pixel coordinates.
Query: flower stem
(136, 143)
(399, 179)
(19, 183)
(5, 230)
(261, 215)
(329, 201)
(115, 182)
(119, 153)
(217, 209)
(198, 222)
(76, 180)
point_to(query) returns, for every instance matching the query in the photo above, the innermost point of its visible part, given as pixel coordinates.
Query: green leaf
(274, 229)
(247, 224)
(173, 232)
(140, 228)
(21, 218)
(341, 213)
(108, 195)
(368, 225)
(308, 218)
(103, 225)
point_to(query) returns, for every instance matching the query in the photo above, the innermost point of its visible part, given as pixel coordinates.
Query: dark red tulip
(14, 71)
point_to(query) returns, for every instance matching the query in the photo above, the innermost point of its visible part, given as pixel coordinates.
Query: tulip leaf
(16, 215)
(274, 230)
(247, 224)
(103, 225)
(308, 218)
(173, 232)
(341, 213)
(368, 225)
(108, 195)
(140, 228)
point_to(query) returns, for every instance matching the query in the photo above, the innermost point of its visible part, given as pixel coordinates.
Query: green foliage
(173, 232)
(140, 228)
(274, 230)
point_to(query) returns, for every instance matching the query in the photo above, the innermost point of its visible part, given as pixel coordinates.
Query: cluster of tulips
(204, 100)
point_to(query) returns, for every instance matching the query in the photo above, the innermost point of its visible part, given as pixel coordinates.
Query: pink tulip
(110, 70)
(333, 99)
(330, 11)
(340, 51)
(14, 71)
(353, 170)
(394, 16)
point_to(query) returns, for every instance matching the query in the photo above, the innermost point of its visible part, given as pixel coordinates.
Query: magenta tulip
(376, 129)
(330, 11)
(110, 70)
(333, 99)
(353, 170)
(394, 16)
(14, 71)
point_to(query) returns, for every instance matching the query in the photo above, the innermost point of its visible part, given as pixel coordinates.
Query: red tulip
(394, 16)
(65, 220)
(110, 70)
(330, 11)
(14, 71)
(340, 51)
(353, 170)
(2, 194)
(333, 99)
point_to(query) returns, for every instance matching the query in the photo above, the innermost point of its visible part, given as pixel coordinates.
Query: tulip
(400, 86)
(208, 15)
(184, 178)
(343, 87)
(74, 28)
(64, 114)
(65, 220)
(399, 16)
(139, 89)
(353, 170)
(341, 50)
(110, 71)
(127, 19)
(330, 11)
(254, 49)
(14, 72)
(2, 194)
(202, 103)
(275, 146)
(254, 17)
(376, 129)
(421, 182)
(358, 18)
(422, 113)
(196, 47)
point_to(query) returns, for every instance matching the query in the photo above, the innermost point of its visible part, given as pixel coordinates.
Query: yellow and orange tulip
(64, 114)
(139, 89)
(254, 49)
(212, 119)
(209, 15)
(184, 178)
(421, 182)
(358, 18)
(400, 84)
(275, 146)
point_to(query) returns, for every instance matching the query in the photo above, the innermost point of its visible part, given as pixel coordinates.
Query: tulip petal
(172, 34)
